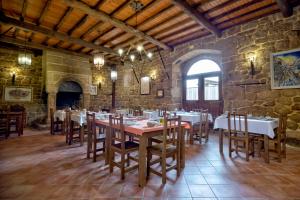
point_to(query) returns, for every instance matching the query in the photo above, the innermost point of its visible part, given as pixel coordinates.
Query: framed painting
(145, 85)
(160, 93)
(285, 69)
(17, 94)
(93, 90)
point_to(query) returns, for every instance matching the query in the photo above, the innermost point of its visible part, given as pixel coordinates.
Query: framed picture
(285, 69)
(93, 90)
(160, 93)
(17, 94)
(145, 85)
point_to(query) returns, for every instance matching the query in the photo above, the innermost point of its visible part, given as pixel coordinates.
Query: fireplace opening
(69, 95)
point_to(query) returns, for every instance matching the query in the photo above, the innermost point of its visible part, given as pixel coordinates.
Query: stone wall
(261, 37)
(25, 77)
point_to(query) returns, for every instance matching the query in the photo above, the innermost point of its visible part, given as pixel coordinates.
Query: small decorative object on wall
(145, 85)
(17, 94)
(285, 69)
(160, 93)
(93, 90)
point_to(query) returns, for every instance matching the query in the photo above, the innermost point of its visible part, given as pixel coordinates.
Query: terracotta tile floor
(41, 166)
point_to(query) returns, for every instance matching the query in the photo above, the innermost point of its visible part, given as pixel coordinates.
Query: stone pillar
(86, 100)
(51, 103)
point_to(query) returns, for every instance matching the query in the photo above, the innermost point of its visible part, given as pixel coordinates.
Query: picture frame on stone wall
(17, 94)
(285, 69)
(145, 85)
(160, 93)
(93, 90)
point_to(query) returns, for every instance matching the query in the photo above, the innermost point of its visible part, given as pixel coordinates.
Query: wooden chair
(164, 150)
(119, 144)
(19, 108)
(162, 111)
(15, 122)
(4, 124)
(239, 136)
(201, 129)
(93, 137)
(279, 141)
(56, 125)
(74, 130)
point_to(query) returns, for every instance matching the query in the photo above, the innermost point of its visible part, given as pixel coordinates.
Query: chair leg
(164, 169)
(200, 136)
(149, 156)
(279, 151)
(247, 150)
(122, 166)
(229, 145)
(111, 160)
(178, 164)
(94, 148)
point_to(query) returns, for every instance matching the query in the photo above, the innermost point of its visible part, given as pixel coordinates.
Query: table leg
(89, 143)
(221, 132)
(191, 134)
(107, 144)
(81, 135)
(266, 145)
(182, 148)
(142, 160)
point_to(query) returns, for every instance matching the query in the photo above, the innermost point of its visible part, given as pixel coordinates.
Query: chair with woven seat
(201, 129)
(120, 145)
(164, 150)
(56, 125)
(239, 136)
(73, 133)
(19, 108)
(93, 137)
(15, 122)
(279, 141)
(4, 124)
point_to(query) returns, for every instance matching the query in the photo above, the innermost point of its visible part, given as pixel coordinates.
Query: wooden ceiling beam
(91, 29)
(63, 18)
(43, 13)
(197, 16)
(285, 7)
(23, 13)
(78, 24)
(39, 46)
(51, 33)
(115, 22)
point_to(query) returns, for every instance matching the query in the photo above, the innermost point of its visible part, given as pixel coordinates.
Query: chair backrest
(116, 128)
(197, 110)
(281, 131)
(172, 129)
(240, 123)
(203, 120)
(162, 111)
(91, 123)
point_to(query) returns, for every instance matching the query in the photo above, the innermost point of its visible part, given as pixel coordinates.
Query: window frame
(201, 86)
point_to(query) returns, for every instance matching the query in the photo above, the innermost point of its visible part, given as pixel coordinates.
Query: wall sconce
(251, 58)
(100, 81)
(13, 77)
(153, 75)
(113, 74)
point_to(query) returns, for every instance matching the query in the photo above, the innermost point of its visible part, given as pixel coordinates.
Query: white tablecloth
(150, 114)
(60, 114)
(192, 117)
(122, 111)
(258, 126)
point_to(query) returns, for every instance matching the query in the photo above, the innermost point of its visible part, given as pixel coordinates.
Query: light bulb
(139, 48)
(149, 55)
(120, 51)
(132, 57)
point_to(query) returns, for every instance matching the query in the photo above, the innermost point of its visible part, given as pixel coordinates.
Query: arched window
(203, 66)
(203, 81)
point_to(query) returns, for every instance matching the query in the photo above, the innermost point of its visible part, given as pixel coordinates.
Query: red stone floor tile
(41, 166)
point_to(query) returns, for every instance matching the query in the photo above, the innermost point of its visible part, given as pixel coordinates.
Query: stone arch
(182, 64)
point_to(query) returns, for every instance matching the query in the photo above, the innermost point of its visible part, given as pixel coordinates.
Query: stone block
(292, 125)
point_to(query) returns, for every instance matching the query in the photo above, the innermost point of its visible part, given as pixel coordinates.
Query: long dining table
(140, 130)
(257, 125)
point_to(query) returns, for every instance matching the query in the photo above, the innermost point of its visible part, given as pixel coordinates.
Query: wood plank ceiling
(87, 26)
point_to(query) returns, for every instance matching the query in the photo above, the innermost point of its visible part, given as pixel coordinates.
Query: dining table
(138, 128)
(256, 125)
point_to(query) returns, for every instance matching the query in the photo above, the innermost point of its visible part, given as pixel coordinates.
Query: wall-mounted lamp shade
(24, 59)
(13, 77)
(113, 75)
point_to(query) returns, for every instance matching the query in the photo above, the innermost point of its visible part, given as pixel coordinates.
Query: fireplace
(69, 95)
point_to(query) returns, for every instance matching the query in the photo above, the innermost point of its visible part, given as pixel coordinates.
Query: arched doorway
(202, 86)
(69, 95)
